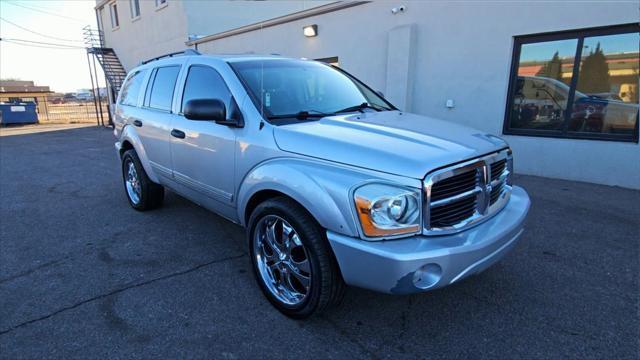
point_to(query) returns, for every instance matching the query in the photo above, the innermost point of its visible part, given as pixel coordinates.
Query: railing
(93, 37)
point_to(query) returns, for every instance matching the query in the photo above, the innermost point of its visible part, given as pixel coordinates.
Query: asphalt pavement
(82, 275)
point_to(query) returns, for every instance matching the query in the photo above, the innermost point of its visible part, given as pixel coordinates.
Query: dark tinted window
(204, 82)
(163, 86)
(131, 89)
(580, 84)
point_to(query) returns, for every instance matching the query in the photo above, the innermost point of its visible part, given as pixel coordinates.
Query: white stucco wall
(462, 52)
(212, 17)
(165, 29)
(157, 31)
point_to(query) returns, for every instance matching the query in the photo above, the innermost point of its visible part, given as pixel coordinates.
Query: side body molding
(129, 134)
(320, 188)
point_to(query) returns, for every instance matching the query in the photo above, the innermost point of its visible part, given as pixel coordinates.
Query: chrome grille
(497, 168)
(445, 212)
(454, 185)
(495, 193)
(460, 196)
(453, 213)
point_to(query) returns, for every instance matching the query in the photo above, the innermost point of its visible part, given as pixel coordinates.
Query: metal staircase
(113, 70)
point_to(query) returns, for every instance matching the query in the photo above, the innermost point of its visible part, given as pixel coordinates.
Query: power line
(45, 12)
(42, 46)
(43, 43)
(37, 33)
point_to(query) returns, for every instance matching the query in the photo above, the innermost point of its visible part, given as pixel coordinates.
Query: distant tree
(552, 69)
(594, 73)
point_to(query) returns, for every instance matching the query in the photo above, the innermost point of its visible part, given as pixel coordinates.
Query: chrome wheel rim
(282, 261)
(132, 183)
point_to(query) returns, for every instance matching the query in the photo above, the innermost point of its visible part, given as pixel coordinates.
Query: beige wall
(212, 17)
(157, 31)
(462, 51)
(163, 30)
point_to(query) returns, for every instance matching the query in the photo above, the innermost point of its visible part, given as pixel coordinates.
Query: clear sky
(610, 44)
(64, 69)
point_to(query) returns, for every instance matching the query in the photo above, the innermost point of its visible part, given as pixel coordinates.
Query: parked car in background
(540, 103)
(334, 184)
(84, 96)
(69, 97)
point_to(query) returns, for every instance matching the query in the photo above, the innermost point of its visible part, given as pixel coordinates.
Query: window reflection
(606, 99)
(596, 95)
(541, 92)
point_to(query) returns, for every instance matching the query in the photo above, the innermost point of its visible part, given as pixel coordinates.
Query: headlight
(385, 210)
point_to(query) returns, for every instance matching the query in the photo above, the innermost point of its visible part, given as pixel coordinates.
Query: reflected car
(540, 103)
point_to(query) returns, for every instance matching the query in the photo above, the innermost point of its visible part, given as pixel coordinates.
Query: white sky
(64, 70)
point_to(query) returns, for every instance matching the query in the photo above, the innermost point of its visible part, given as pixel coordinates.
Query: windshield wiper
(363, 106)
(301, 115)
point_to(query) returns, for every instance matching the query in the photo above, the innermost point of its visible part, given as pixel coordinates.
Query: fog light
(427, 276)
(310, 30)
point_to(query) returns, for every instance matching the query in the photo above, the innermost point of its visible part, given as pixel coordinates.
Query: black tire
(151, 194)
(327, 286)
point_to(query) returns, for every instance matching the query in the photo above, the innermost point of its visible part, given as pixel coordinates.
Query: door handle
(137, 123)
(178, 134)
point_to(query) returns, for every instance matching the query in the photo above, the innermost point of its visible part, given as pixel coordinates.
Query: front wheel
(142, 193)
(292, 260)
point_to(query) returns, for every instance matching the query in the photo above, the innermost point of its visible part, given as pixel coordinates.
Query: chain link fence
(63, 109)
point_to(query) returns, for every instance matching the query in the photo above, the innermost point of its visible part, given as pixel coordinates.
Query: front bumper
(423, 263)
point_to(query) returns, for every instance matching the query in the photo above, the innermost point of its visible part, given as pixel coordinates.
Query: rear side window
(131, 89)
(164, 83)
(203, 82)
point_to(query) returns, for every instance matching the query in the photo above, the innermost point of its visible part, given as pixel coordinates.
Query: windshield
(287, 88)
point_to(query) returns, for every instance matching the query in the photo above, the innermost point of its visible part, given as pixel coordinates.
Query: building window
(161, 3)
(578, 84)
(134, 5)
(113, 10)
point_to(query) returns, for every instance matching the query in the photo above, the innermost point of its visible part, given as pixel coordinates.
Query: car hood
(392, 141)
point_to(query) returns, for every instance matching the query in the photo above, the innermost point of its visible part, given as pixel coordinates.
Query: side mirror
(213, 110)
(205, 109)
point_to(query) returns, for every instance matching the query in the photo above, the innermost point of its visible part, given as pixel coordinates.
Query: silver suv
(333, 183)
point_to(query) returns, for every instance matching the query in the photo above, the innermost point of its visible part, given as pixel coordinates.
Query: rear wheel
(292, 260)
(142, 193)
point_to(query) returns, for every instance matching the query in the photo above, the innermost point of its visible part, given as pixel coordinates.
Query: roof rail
(184, 52)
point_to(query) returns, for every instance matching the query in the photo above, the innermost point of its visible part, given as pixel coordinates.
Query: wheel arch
(300, 182)
(126, 145)
(130, 139)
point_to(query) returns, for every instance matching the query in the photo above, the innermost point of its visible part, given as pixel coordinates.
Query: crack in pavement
(123, 289)
(31, 271)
